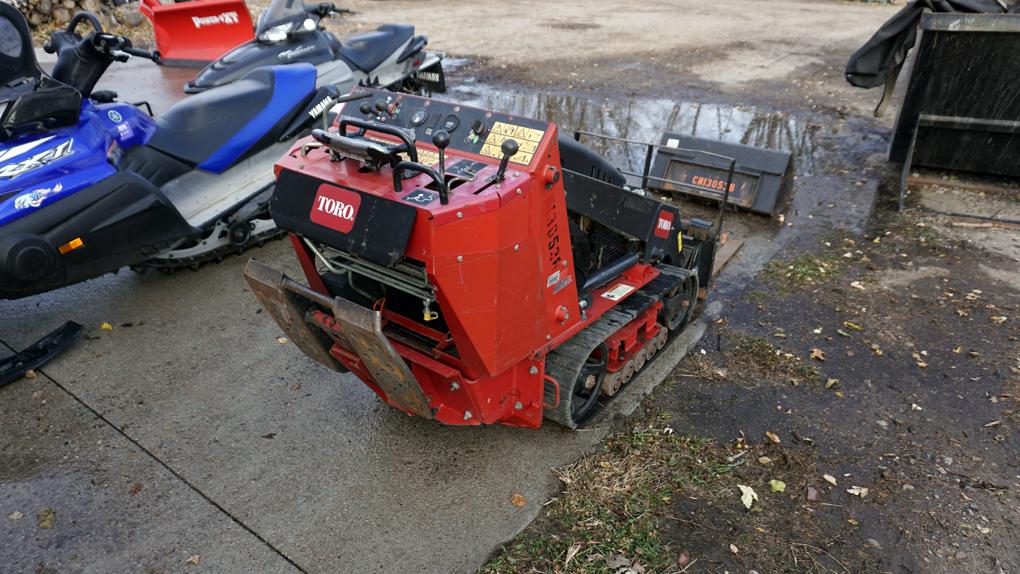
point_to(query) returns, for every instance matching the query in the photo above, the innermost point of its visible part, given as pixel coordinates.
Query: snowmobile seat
(215, 128)
(366, 51)
(578, 158)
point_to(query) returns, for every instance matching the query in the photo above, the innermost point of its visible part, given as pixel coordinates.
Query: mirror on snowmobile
(284, 19)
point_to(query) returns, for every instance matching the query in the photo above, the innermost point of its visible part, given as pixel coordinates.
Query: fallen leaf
(853, 521)
(135, 488)
(617, 561)
(105, 327)
(831, 383)
(818, 354)
(830, 479)
(772, 437)
(857, 491)
(922, 364)
(842, 333)
(747, 496)
(281, 340)
(571, 552)
(734, 549)
(47, 517)
(857, 285)
(518, 500)
(994, 423)
(777, 485)
(269, 435)
(812, 494)
(999, 319)
(683, 560)
(30, 374)
(764, 460)
(193, 560)
(16, 515)
(817, 331)
(854, 326)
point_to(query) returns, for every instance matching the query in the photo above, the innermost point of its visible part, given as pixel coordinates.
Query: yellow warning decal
(680, 241)
(527, 141)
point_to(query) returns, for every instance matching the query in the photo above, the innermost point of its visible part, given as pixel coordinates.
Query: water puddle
(645, 120)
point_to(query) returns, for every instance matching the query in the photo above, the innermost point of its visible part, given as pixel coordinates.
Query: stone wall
(51, 13)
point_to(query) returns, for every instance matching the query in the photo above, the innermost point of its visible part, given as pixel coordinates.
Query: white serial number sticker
(618, 292)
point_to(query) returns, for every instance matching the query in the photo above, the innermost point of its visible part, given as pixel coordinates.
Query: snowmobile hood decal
(17, 150)
(12, 170)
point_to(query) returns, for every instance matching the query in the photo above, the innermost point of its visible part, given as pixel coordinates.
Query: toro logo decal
(335, 208)
(664, 224)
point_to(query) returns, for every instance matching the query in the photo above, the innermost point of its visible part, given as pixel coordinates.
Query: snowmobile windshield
(282, 18)
(17, 58)
(29, 100)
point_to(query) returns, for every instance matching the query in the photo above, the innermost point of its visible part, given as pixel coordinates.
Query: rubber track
(214, 255)
(564, 363)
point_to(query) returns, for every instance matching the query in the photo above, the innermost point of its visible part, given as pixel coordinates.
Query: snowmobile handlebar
(153, 55)
(84, 17)
(324, 9)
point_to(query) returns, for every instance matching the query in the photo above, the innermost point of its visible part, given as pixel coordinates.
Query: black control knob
(509, 149)
(365, 108)
(441, 139)
(380, 106)
(478, 128)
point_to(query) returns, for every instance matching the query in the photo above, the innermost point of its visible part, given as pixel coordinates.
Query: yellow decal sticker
(680, 241)
(527, 141)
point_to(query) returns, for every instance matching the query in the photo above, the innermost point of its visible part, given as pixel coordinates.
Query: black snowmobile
(290, 31)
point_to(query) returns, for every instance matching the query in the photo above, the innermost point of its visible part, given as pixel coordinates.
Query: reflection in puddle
(645, 120)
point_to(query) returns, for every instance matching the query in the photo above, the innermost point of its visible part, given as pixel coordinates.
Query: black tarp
(878, 62)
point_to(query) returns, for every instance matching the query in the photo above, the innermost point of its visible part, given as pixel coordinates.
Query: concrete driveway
(246, 453)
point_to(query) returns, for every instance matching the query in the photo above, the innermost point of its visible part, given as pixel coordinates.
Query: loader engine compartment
(475, 267)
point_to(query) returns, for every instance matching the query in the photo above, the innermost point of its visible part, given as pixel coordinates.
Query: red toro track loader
(475, 267)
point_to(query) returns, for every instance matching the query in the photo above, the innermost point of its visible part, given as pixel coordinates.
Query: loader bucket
(196, 32)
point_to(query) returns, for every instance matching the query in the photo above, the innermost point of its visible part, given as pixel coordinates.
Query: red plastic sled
(197, 32)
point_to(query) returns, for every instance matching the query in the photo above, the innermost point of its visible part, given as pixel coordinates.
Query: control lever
(382, 107)
(441, 139)
(509, 149)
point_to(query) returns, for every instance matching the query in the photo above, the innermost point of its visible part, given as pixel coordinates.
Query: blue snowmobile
(89, 184)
